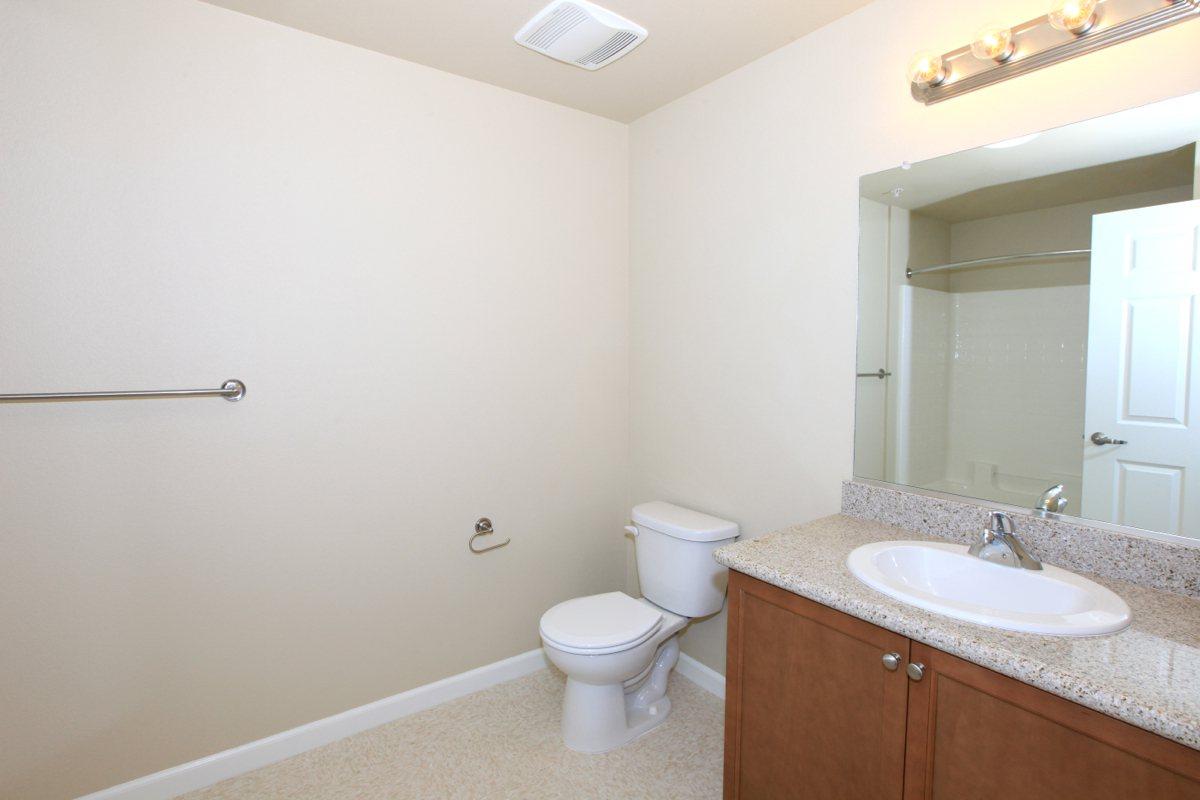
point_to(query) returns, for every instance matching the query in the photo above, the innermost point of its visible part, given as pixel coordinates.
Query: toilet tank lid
(683, 523)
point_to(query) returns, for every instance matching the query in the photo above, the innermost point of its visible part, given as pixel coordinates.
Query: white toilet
(617, 651)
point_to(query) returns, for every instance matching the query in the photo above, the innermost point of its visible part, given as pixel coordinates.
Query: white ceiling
(691, 42)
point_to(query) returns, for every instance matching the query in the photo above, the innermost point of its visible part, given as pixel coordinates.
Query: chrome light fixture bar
(1072, 28)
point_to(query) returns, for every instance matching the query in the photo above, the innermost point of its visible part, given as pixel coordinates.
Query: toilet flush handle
(632, 529)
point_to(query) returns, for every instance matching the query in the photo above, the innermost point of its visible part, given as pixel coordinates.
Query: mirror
(1029, 327)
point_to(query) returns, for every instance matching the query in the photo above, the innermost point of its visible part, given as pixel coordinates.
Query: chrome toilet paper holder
(483, 527)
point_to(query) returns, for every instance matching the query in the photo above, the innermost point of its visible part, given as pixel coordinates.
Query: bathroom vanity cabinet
(822, 705)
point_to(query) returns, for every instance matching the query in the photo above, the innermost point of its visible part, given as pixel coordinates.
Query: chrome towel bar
(232, 390)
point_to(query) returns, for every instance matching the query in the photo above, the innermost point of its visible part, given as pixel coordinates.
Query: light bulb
(1073, 16)
(926, 69)
(993, 43)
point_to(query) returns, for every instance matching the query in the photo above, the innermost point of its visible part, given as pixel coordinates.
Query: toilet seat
(600, 624)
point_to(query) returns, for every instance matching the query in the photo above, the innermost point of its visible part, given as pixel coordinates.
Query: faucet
(1052, 501)
(998, 543)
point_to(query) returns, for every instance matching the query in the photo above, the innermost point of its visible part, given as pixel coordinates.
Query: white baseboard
(238, 760)
(705, 677)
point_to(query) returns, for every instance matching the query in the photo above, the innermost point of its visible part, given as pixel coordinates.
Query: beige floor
(501, 743)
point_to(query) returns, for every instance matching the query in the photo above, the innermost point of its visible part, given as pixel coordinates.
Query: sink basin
(942, 578)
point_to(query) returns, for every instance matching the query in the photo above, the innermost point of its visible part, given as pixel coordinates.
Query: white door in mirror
(1141, 463)
(943, 578)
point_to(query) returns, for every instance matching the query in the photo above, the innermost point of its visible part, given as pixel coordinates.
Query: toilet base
(599, 718)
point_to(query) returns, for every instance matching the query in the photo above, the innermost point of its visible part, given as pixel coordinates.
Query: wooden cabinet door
(973, 733)
(811, 712)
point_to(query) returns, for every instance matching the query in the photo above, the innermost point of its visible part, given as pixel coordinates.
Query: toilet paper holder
(483, 527)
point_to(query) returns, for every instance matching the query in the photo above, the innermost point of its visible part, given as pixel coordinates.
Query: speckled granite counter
(1148, 674)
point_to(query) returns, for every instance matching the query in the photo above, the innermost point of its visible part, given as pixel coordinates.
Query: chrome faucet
(998, 543)
(1052, 500)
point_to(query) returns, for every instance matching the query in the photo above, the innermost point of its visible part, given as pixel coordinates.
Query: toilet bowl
(617, 651)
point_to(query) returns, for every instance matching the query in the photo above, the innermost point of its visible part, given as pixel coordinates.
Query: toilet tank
(674, 548)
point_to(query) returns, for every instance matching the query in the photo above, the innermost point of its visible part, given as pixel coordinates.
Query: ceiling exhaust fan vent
(580, 33)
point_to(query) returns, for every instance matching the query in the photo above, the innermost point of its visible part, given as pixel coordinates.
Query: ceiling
(690, 42)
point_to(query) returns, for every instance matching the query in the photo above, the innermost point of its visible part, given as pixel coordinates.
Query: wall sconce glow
(1071, 28)
(1073, 16)
(994, 43)
(926, 69)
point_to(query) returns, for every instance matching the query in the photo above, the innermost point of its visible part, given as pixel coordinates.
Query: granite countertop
(1147, 675)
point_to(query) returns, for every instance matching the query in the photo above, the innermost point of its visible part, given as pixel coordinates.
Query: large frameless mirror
(1028, 322)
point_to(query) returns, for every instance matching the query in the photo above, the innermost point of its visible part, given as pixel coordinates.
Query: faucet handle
(1001, 533)
(999, 522)
(1052, 500)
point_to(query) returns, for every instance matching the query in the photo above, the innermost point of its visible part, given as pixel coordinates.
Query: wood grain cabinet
(820, 706)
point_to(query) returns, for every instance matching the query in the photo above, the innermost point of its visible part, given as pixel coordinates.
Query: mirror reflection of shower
(990, 332)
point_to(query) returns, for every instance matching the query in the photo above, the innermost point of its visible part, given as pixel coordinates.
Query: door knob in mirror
(1099, 438)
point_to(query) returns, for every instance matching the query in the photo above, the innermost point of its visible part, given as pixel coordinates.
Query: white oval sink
(942, 578)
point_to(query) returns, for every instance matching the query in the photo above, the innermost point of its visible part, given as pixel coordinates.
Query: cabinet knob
(891, 661)
(915, 671)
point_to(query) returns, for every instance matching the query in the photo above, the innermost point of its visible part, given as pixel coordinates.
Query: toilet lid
(599, 621)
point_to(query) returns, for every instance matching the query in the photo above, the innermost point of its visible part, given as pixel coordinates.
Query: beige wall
(424, 282)
(744, 235)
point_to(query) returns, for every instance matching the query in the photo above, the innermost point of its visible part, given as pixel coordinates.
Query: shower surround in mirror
(990, 365)
(986, 390)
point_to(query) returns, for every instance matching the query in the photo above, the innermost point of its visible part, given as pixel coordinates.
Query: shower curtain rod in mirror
(996, 260)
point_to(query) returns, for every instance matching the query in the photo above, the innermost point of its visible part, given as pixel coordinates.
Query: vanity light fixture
(993, 43)
(1073, 16)
(1071, 28)
(926, 69)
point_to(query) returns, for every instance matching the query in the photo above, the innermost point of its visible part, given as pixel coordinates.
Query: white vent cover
(580, 33)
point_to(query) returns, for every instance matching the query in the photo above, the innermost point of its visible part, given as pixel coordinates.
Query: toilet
(617, 651)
